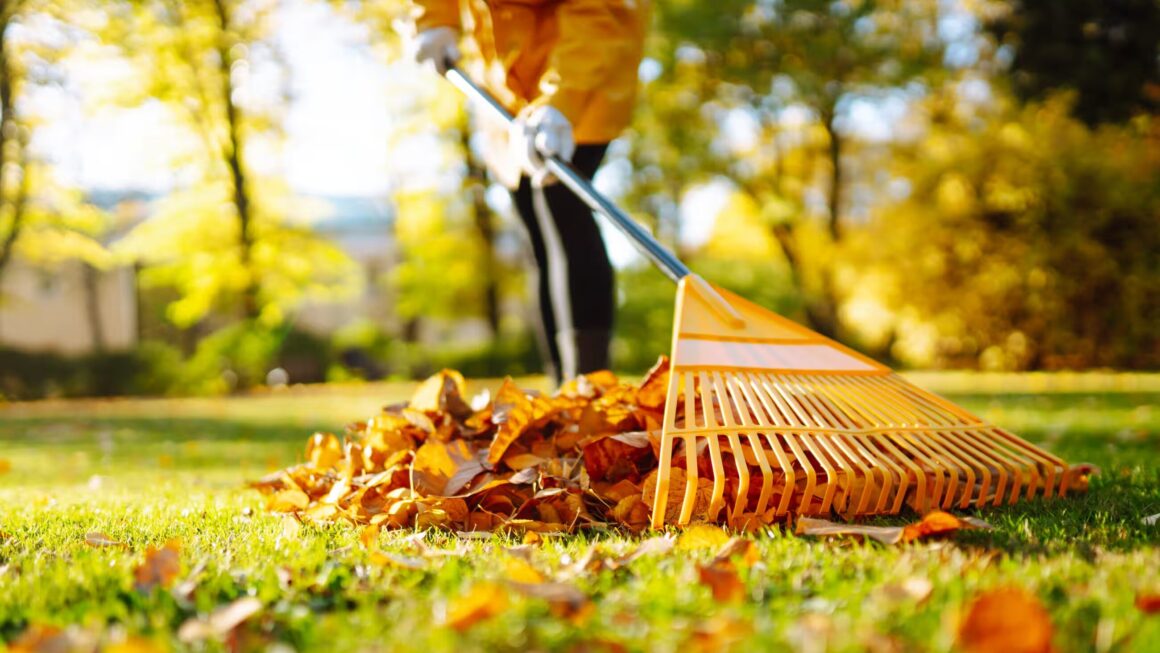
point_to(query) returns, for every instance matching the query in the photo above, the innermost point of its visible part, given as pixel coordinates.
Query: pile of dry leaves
(518, 461)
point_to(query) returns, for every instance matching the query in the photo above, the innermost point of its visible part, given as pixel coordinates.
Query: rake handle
(665, 260)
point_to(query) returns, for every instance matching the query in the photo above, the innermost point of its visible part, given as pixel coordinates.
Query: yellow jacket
(579, 56)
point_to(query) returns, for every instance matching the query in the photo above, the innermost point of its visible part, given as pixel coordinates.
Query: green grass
(143, 472)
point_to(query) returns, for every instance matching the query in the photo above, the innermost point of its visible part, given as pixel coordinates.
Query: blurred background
(207, 196)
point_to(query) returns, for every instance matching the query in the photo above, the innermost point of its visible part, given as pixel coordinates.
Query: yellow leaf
(702, 536)
(288, 501)
(519, 570)
(5, 466)
(481, 601)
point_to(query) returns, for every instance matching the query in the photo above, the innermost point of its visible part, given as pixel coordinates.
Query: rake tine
(713, 425)
(691, 453)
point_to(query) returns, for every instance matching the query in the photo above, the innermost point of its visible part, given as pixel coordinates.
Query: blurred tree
(14, 137)
(1027, 240)
(761, 60)
(229, 238)
(42, 222)
(1105, 50)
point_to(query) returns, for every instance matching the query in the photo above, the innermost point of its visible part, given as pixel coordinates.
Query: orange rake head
(765, 418)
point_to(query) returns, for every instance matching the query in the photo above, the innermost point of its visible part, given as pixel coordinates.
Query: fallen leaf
(288, 501)
(323, 450)
(915, 588)
(1151, 520)
(5, 466)
(100, 540)
(1148, 603)
(738, 547)
(221, 622)
(160, 567)
(441, 469)
(50, 639)
(519, 570)
(565, 600)
(481, 601)
(1006, 619)
(721, 577)
(702, 536)
(934, 523)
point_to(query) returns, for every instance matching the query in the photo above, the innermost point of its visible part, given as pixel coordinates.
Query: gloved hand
(538, 132)
(437, 45)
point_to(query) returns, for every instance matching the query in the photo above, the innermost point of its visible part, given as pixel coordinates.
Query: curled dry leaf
(221, 622)
(1006, 619)
(481, 601)
(160, 567)
(100, 540)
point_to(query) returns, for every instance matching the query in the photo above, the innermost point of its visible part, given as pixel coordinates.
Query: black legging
(575, 277)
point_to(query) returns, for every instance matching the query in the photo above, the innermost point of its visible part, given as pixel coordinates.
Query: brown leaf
(50, 639)
(721, 577)
(481, 601)
(221, 622)
(160, 567)
(99, 540)
(1148, 603)
(934, 523)
(915, 588)
(1006, 619)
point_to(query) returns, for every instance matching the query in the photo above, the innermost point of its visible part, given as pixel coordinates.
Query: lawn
(147, 472)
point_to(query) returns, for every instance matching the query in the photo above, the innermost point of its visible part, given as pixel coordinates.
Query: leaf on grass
(481, 601)
(1151, 520)
(221, 622)
(50, 639)
(721, 577)
(934, 523)
(1006, 619)
(702, 536)
(519, 570)
(441, 469)
(1148, 603)
(5, 466)
(384, 559)
(566, 601)
(658, 545)
(288, 501)
(99, 540)
(160, 567)
(915, 588)
(740, 548)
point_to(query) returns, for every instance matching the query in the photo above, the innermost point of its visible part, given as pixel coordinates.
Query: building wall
(46, 310)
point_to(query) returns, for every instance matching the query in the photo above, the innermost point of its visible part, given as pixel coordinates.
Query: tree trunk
(481, 214)
(835, 152)
(233, 158)
(8, 205)
(91, 278)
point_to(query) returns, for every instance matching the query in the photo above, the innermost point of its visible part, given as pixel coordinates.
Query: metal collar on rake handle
(568, 175)
(778, 420)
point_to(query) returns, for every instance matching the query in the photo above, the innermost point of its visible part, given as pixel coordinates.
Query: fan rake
(795, 423)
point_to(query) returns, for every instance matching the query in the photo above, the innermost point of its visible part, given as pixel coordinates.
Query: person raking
(567, 69)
